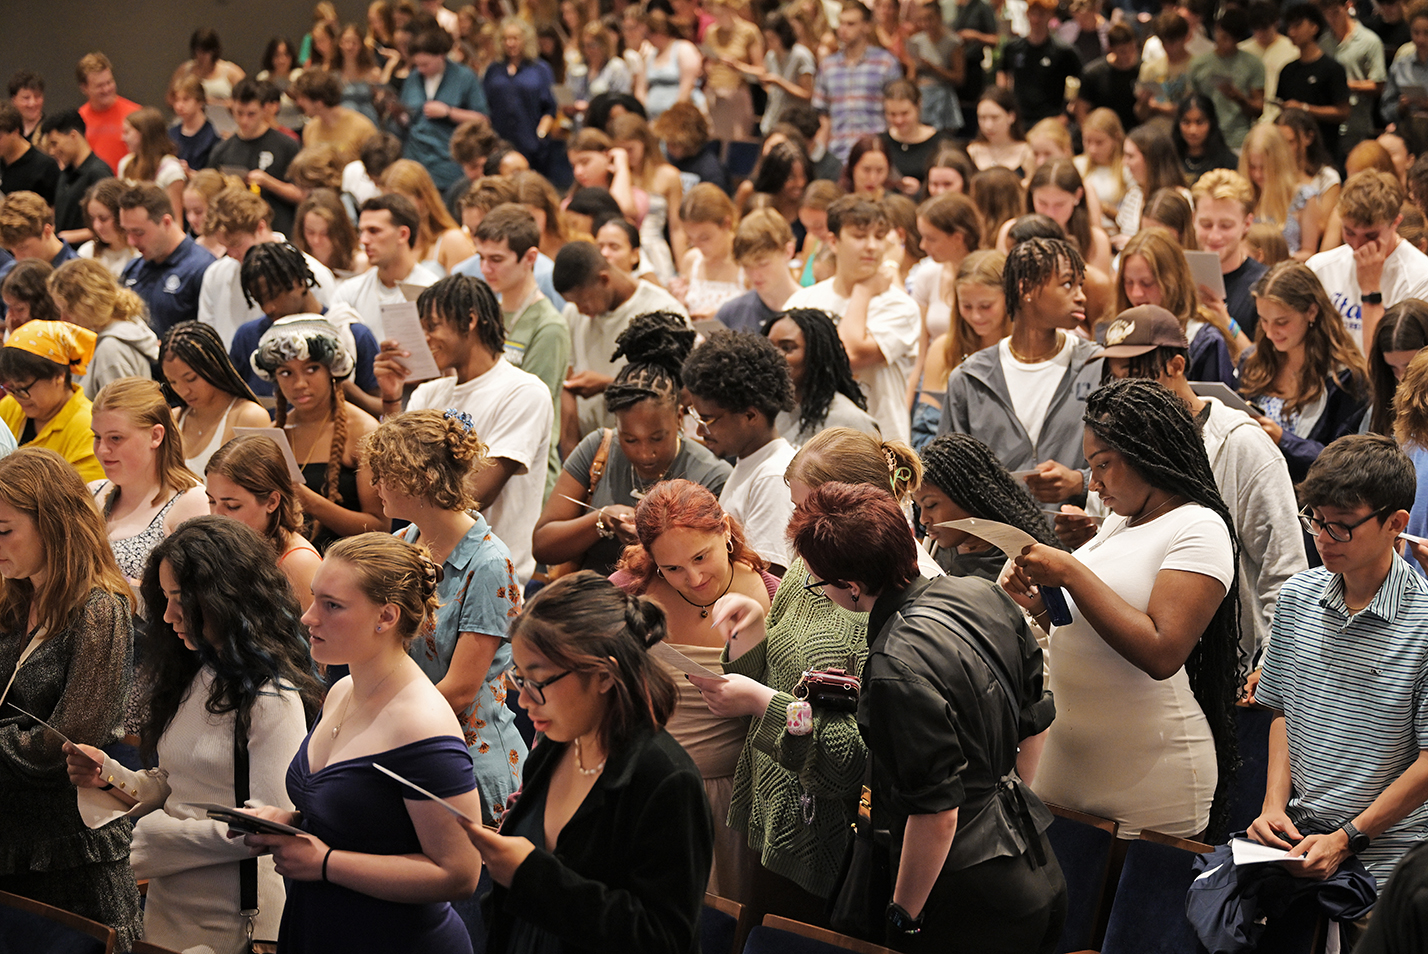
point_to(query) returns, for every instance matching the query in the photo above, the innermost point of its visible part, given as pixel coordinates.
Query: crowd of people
(582, 455)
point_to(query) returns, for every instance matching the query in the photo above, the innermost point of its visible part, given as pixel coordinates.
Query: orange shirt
(105, 131)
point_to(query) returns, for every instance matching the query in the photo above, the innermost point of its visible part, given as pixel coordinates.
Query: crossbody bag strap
(248, 867)
(602, 457)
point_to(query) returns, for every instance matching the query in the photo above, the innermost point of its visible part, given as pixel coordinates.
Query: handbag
(597, 471)
(835, 689)
(859, 902)
(248, 867)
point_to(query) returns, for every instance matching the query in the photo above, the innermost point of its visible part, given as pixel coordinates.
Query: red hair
(680, 503)
(854, 532)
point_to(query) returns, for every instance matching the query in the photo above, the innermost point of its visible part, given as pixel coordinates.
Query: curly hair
(738, 370)
(655, 345)
(241, 616)
(826, 370)
(429, 455)
(1149, 426)
(26, 284)
(972, 477)
(391, 570)
(686, 505)
(461, 300)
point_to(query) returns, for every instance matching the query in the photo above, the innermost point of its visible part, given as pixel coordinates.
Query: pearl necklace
(580, 767)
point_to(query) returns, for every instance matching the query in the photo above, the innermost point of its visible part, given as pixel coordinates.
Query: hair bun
(645, 620)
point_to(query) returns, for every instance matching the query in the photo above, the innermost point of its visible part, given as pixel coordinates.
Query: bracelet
(600, 526)
(324, 863)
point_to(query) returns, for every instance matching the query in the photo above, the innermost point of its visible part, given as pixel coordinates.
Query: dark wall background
(145, 39)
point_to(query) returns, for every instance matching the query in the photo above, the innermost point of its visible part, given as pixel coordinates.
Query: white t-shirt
(367, 295)
(925, 282)
(1032, 386)
(220, 297)
(757, 497)
(513, 415)
(894, 322)
(1405, 275)
(169, 171)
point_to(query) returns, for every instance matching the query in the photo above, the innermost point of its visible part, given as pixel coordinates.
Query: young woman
(537, 194)
(223, 663)
(357, 67)
(110, 245)
(949, 229)
(788, 69)
(826, 393)
(732, 44)
(999, 139)
(981, 322)
(813, 214)
(1301, 132)
(308, 360)
(26, 294)
(1306, 372)
(607, 785)
(690, 555)
(1153, 165)
(1265, 244)
(1283, 193)
(325, 231)
(247, 479)
(1056, 190)
(910, 142)
(375, 869)
(151, 154)
(208, 66)
(201, 190)
(611, 470)
(869, 170)
(206, 390)
(661, 184)
(66, 635)
(1102, 165)
(709, 274)
(1169, 210)
(779, 180)
(903, 242)
(1401, 334)
(606, 73)
(1198, 139)
(671, 68)
(441, 244)
(1147, 671)
(423, 462)
(619, 242)
(43, 407)
(193, 134)
(999, 196)
(949, 170)
(88, 295)
(280, 67)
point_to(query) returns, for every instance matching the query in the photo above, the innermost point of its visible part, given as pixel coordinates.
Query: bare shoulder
(418, 711)
(248, 414)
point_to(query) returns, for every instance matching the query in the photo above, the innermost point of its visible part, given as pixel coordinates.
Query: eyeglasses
(816, 586)
(536, 689)
(22, 394)
(1338, 532)
(705, 422)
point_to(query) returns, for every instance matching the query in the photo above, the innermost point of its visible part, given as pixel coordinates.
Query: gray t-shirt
(841, 413)
(693, 462)
(745, 313)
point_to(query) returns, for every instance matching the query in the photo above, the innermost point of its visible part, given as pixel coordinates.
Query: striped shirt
(852, 96)
(1352, 690)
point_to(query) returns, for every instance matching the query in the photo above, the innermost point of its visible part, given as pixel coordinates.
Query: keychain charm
(799, 718)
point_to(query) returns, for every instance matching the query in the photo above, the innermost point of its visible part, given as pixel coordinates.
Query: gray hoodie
(124, 350)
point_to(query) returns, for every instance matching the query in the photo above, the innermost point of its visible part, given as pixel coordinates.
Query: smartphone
(1056, 605)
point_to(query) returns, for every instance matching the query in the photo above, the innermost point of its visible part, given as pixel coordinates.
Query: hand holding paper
(403, 325)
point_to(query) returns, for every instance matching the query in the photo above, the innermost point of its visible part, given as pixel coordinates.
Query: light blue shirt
(544, 268)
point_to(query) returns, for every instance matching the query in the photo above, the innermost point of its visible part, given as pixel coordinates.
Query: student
(1406, 70)
(979, 320)
(1272, 48)
(1284, 194)
(1150, 159)
(1315, 83)
(1386, 271)
(950, 228)
(484, 195)
(510, 408)
(1232, 78)
(1349, 780)
(1224, 204)
(318, 93)
(168, 275)
(1000, 140)
(26, 295)
(1025, 398)
(438, 94)
(1056, 190)
(193, 134)
(1110, 82)
(64, 139)
(1360, 52)
(712, 277)
(261, 149)
(1401, 335)
(27, 231)
(104, 109)
(825, 392)
(27, 94)
(388, 225)
(1198, 140)
(23, 168)
(878, 324)
(738, 384)
(151, 154)
(848, 87)
(88, 296)
(763, 248)
(1035, 67)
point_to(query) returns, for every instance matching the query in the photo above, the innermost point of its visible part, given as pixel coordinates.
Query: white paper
(1248, 852)
(410, 290)
(403, 325)
(436, 798)
(1023, 474)
(1205, 269)
(277, 437)
(667, 653)
(64, 738)
(1006, 538)
(1222, 393)
(1412, 539)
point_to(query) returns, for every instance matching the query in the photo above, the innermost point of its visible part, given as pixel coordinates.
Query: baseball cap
(1139, 330)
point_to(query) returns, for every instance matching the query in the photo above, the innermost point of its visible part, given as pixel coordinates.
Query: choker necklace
(579, 764)
(1024, 359)
(1138, 520)
(704, 607)
(348, 703)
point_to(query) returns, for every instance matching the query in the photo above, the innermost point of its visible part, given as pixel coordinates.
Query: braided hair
(1151, 428)
(826, 371)
(967, 471)
(463, 300)
(655, 346)
(197, 345)
(1033, 263)
(271, 268)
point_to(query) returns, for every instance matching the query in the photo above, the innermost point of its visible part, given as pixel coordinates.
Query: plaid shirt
(852, 96)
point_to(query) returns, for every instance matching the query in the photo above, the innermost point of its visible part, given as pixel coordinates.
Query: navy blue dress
(353, 807)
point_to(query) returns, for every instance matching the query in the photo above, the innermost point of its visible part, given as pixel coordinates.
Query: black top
(937, 721)
(1238, 300)
(1102, 85)
(1197, 166)
(32, 172)
(315, 476)
(973, 15)
(73, 183)
(630, 868)
(705, 167)
(911, 158)
(194, 149)
(270, 152)
(1321, 83)
(1039, 76)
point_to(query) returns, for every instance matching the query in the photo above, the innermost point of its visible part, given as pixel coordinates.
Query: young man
(537, 337)
(438, 94)
(387, 226)
(1360, 52)
(260, 149)
(27, 94)
(738, 383)
(104, 109)
(484, 194)
(763, 247)
(240, 220)
(848, 90)
(64, 139)
(169, 272)
(606, 299)
(318, 93)
(1110, 82)
(879, 324)
(1315, 83)
(1036, 67)
(23, 168)
(1409, 68)
(1348, 770)
(509, 408)
(1232, 78)
(1374, 269)
(1224, 211)
(1025, 398)
(471, 143)
(27, 231)
(1272, 48)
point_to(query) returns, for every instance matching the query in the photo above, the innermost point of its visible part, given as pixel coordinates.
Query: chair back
(742, 157)
(28, 926)
(719, 925)
(1148, 914)
(1083, 847)
(781, 936)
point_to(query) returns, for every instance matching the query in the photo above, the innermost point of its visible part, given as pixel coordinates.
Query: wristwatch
(1358, 841)
(1372, 298)
(901, 922)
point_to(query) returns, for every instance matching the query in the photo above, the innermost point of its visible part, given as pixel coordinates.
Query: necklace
(1139, 519)
(639, 487)
(704, 607)
(579, 763)
(222, 416)
(305, 458)
(347, 704)
(1037, 359)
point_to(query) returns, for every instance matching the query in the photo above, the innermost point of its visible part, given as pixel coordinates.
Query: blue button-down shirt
(170, 288)
(1407, 70)
(428, 139)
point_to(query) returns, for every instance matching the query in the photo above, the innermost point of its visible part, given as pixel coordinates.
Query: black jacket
(630, 867)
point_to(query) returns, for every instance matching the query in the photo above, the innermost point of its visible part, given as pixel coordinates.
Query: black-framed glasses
(536, 689)
(816, 586)
(22, 394)
(1338, 532)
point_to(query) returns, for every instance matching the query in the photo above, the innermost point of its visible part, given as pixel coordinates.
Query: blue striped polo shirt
(1352, 690)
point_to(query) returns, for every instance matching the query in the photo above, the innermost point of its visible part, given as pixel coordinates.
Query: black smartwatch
(1372, 298)
(1358, 841)
(902, 922)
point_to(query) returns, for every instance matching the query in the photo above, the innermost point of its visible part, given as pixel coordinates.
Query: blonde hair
(1107, 123)
(429, 455)
(530, 48)
(820, 194)
(410, 178)
(91, 295)
(1371, 197)
(1281, 173)
(142, 402)
(1056, 132)
(154, 144)
(843, 455)
(237, 210)
(391, 571)
(984, 268)
(710, 204)
(256, 464)
(1267, 239)
(1410, 404)
(318, 166)
(209, 183)
(761, 231)
(1225, 185)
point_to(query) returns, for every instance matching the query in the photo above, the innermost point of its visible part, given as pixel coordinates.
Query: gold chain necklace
(1025, 359)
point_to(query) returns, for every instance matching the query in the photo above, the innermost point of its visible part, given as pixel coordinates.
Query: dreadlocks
(1033, 263)
(967, 471)
(826, 370)
(1151, 428)
(462, 299)
(655, 345)
(271, 268)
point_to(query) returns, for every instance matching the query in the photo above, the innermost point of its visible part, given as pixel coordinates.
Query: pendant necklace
(704, 607)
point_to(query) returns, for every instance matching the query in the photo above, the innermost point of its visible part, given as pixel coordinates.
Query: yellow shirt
(68, 434)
